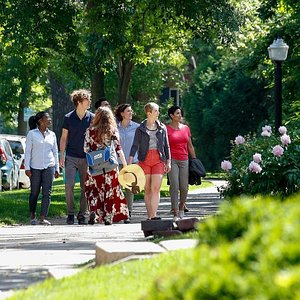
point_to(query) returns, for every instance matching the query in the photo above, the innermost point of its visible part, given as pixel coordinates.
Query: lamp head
(278, 50)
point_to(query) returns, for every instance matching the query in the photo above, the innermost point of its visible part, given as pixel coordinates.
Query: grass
(220, 175)
(130, 280)
(14, 207)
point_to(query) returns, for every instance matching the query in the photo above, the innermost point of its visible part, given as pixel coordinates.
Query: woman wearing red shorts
(151, 143)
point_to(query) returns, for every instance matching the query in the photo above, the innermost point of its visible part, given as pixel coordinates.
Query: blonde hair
(104, 123)
(79, 96)
(150, 106)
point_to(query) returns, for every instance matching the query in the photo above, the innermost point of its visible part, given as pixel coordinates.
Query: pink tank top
(178, 139)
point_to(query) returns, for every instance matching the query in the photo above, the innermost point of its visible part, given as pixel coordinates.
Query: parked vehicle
(18, 144)
(9, 167)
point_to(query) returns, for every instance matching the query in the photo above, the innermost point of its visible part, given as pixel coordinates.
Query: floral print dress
(103, 192)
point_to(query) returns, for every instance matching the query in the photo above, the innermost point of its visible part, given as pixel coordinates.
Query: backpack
(102, 160)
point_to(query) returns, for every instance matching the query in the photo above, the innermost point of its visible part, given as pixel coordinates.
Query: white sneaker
(175, 218)
(44, 222)
(181, 214)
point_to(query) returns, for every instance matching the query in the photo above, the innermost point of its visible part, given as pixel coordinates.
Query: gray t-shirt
(153, 138)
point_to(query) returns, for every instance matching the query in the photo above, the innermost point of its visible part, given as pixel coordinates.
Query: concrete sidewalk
(29, 253)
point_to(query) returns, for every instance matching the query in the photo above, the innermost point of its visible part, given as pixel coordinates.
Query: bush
(250, 251)
(265, 164)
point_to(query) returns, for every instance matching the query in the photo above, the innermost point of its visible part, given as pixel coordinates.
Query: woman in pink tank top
(181, 147)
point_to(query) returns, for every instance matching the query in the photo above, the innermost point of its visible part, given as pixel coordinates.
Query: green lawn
(14, 204)
(14, 207)
(130, 280)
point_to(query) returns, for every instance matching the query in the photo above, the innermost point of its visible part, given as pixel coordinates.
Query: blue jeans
(41, 179)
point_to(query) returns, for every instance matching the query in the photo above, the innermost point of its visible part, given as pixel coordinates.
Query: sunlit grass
(129, 280)
(14, 205)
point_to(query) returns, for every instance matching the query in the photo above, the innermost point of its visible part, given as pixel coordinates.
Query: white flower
(266, 133)
(257, 157)
(267, 128)
(226, 165)
(278, 150)
(285, 139)
(282, 130)
(239, 140)
(254, 167)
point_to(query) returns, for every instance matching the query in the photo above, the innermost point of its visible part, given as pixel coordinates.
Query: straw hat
(133, 178)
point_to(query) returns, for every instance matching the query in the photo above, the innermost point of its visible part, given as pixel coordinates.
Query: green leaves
(31, 30)
(250, 250)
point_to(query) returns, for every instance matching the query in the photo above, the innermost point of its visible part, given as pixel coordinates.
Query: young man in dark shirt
(72, 156)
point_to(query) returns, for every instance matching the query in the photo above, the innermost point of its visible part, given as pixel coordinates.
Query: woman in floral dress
(106, 200)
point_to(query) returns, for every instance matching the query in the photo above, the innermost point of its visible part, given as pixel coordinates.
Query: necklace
(151, 126)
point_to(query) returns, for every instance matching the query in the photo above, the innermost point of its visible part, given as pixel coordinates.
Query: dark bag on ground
(102, 160)
(196, 171)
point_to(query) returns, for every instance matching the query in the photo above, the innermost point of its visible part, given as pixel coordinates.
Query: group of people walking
(158, 149)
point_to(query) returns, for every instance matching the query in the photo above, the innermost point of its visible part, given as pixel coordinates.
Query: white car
(18, 144)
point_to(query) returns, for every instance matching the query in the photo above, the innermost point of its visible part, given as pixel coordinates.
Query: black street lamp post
(278, 51)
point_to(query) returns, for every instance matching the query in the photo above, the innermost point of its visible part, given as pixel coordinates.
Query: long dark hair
(34, 120)
(119, 109)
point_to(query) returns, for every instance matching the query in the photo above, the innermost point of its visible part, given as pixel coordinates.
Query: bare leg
(147, 195)
(156, 180)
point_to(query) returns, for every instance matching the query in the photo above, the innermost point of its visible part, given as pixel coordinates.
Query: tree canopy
(29, 31)
(129, 49)
(232, 90)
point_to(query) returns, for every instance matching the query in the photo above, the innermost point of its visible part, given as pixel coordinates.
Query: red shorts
(152, 164)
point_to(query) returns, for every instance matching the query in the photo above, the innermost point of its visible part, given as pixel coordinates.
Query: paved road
(28, 252)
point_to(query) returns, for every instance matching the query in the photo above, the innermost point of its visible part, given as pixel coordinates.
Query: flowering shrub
(265, 164)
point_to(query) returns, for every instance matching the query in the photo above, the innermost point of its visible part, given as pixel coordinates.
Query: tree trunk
(124, 76)
(97, 80)
(61, 104)
(22, 125)
(97, 87)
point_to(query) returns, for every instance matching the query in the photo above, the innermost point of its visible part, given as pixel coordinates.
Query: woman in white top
(41, 164)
